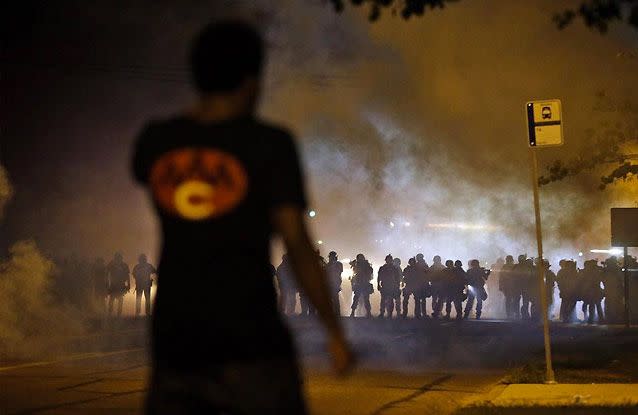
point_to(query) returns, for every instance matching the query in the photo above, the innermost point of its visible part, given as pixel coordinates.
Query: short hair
(224, 54)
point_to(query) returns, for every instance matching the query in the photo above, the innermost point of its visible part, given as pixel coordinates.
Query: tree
(612, 144)
(596, 14)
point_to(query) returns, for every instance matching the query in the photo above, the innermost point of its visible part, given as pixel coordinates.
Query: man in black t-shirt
(222, 183)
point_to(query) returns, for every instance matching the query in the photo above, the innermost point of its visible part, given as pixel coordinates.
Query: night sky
(414, 124)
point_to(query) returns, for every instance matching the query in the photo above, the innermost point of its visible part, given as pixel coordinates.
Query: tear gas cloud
(31, 323)
(422, 123)
(417, 122)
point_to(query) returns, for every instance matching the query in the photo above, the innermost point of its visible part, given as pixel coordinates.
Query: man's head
(142, 259)
(388, 259)
(458, 263)
(436, 259)
(360, 257)
(227, 59)
(332, 256)
(411, 261)
(522, 258)
(449, 263)
(509, 259)
(117, 257)
(397, 262)
(474, 263)
(419, 257)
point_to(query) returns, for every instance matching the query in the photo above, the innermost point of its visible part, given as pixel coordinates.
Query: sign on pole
(544, 129)
(624, 232)
(544, 123)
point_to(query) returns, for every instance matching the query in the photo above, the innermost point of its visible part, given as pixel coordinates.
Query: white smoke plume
(31, 324)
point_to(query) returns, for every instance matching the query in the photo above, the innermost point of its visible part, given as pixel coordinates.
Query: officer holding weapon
(361, 285)
(476, 278)
(388, 281)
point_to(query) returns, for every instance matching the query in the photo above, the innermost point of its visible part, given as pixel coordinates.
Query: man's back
(214, 186)
(222, 183)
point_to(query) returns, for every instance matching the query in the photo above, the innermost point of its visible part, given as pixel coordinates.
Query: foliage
(607, 146)
(596, 14)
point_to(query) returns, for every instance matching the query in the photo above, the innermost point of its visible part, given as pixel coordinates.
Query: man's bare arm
(289, 222)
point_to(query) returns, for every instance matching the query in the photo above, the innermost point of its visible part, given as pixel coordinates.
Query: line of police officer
(449, 284)
(112, 281)
(446, 285)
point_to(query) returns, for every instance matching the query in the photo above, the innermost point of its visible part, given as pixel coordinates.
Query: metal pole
(549, 376)
(627, 312)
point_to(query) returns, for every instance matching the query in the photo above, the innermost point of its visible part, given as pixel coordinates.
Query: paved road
(114, 383)
(406, 367)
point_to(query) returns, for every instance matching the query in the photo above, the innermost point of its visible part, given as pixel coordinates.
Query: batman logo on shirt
(198, 183)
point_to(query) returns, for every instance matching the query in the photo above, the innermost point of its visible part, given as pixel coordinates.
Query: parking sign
(544, 123)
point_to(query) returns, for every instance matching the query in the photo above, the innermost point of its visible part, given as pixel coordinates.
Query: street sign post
(544, 129)
(624, 232)
(544, 123)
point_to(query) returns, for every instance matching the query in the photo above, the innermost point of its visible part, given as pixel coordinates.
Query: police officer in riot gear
(457, 288)
(425, 290)
(507, 284)
(592, 276)
(437, 283)
(476, 278)
(567, 280)
(361, 285)
(412, 286)
(142, 272)
(524, 280)
(613, 279)
(334, 269)
(100, 284)
(307, 309)
(118, 274)
(287, 288)
(397, 294)
(388, 281)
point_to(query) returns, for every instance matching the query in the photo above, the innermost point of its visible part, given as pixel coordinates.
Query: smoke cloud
(31, 324)
(415, 124)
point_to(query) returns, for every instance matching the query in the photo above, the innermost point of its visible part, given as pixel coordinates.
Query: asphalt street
(406, 367)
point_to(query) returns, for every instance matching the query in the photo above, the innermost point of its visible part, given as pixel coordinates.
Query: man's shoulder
(275, 130)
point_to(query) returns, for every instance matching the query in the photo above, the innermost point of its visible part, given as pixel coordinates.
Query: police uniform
(119, 283)
(388, 282)
(476, 278)
(361, 286)
(287, 287)
(334, 269)
(142, 273)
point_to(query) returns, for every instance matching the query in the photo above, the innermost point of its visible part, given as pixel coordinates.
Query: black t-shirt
(213, 187)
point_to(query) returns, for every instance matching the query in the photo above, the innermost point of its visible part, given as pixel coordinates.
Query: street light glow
(312, 213)
(611, 251)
